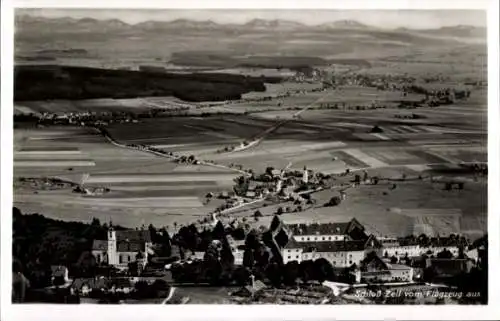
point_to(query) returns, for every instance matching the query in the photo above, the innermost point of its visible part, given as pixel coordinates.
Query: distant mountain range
(27, 23)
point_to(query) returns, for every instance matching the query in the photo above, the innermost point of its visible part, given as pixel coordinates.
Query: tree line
(74, 83)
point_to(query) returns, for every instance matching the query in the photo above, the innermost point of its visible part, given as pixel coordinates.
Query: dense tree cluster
(39, 242)
(36, 83)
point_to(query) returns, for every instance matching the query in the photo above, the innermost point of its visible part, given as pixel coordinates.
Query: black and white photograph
(249, 157)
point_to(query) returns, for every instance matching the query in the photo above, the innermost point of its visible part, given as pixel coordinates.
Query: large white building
(123, 247)
(342, 244)
(346, 243)
(325, 232)
(338, 253)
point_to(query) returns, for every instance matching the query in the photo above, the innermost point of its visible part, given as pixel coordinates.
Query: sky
(418, 19)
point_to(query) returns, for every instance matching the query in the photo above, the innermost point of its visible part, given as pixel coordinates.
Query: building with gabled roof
(374, 269)
(342, 244)
(339, 253)
(401, 247)
(336, 231)
(123, 247)
(276, 237)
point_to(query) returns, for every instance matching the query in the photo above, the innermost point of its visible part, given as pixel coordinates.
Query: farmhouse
(123, 247)
(375, 269)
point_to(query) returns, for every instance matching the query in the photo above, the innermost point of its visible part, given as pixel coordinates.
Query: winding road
(161, 154)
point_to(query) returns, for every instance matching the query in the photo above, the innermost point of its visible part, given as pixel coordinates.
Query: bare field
(174, 192)
(159, 177)
(142, 202)
(381, 214)
(141, 184)
(53, 163)
(99, 105)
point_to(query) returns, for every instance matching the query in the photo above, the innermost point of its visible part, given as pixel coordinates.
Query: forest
(74, 83)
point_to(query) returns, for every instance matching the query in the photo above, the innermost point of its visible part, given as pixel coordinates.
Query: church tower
(112, 248)
(305, 175)
(279, 185)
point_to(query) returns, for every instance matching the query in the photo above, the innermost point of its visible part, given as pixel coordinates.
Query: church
(123, 247)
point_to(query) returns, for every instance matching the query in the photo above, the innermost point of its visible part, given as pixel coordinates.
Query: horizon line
(239, 23)
(386, 19)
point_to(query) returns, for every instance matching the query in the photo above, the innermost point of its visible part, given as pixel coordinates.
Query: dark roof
(100, 245)
(133, 235)
(338, 228)
(406, 241)
(335, 246)
(373, 242)
(396, 266)
(447, 241)
(321, 229)
(125, 246)
(367, 274)
(373, 262)
(279, 232)
(389, 243)
(276, 237)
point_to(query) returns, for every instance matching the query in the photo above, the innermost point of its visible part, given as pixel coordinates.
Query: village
(317, 263)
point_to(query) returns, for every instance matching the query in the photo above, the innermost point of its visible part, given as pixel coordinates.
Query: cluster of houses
(345, 245)
(274, 182)
(88, 118)
(104, 118)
